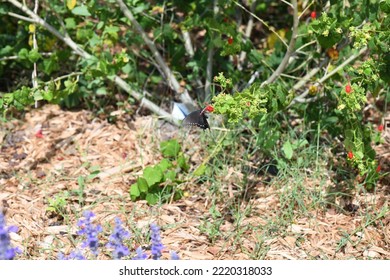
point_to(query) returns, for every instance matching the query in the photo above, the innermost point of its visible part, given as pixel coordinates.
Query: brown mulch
(45, 155)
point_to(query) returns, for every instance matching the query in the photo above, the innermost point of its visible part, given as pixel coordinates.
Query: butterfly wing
(196, 118)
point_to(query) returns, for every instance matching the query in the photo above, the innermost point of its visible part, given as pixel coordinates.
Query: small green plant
(82, 180)
(58, 203)
(211, 227)
(159, 182)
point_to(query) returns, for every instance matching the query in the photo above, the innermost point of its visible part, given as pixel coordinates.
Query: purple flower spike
(156, 242)
(90, 232)
(141, 255)
(174, 256)
(7, 252)
(116, 241)
(76, 255)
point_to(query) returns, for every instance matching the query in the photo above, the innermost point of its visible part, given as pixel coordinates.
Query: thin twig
(301, 98)
(309, 75)
(34, 74)
(210, 59)
(121, 83)
(50, 28)
(305, 9)
(248, 32)
(67, 76)
(14, 57)
(190, 51)
(21, 17)
(263, 22)
(314, 71)
(290, 48)
(166, 71)
(146, 102)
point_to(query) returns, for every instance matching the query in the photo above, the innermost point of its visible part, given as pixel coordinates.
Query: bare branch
(263, 22)
(190, 51)
(146, 102)
(21, 17)
(290, 48)
(187, 43)
(34, 74)
(121, 83)
(14, 57)
(50, 28)
(166, 71)
(248, 32)
(305, 9)
(301, 98)
(210, 60)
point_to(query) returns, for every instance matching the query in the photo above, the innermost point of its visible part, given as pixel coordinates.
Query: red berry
(378, 169)
(230, 40)
(380, 128)
(209, 108)
(313, 15)
(350, 155)
(348, 88)
(39, 134)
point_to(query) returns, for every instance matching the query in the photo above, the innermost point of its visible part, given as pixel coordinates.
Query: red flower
(39, 134)
(313, 15)
(230, 40)
(378, 169)
(348, 88)
(209, 108)
(380, 128)
(350, 155)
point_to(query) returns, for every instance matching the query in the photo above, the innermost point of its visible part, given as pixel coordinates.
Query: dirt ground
(45, 154)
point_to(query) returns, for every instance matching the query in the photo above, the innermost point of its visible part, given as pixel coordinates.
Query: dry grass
(203, 225)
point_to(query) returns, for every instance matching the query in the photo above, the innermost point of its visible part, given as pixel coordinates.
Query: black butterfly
(197, 118)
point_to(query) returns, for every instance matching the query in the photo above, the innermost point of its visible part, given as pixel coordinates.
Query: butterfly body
(197, 118)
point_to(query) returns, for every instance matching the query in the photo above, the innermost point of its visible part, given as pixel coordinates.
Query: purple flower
(116, 241)
(75, 255)
(90, 232)
(141, 255)
(7, 252)
(174, 256)
(156, 242)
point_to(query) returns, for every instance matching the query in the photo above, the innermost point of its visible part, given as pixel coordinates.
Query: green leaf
(171, 175)
(6, 50)
(332, 119)
(50, 65)
(23, 54)
(151, 198)
(70, 23)
(170, 148)
(134, 191)
(81, 181)
(200, 170)
(81, 11)
(385, 6)
(47, 95)
(34, 55)
(164, 164)
(153, 175)
(288, 150)
(182, 163)
(142, 185)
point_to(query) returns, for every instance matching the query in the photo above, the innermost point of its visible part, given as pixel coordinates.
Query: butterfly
(198, 118)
